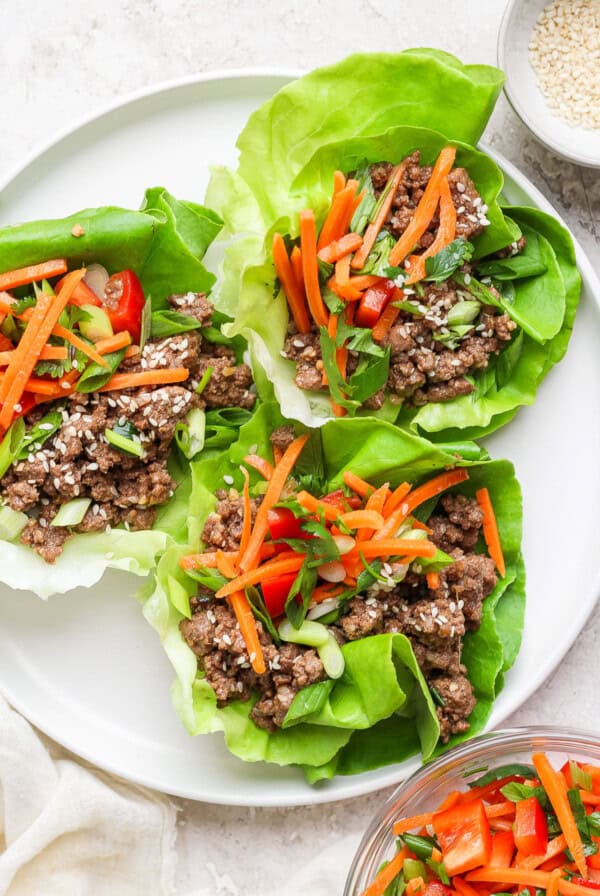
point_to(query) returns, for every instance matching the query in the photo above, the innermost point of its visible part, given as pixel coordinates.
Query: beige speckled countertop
(62, 60)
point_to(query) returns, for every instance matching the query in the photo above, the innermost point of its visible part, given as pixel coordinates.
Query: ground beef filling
(424, 367)
(77, 461)
(435, 622)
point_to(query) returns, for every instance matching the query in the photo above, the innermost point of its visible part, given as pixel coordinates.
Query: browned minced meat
(78, 461)
(214, 636)
(282, 437)
(435, 622)
(470, 210)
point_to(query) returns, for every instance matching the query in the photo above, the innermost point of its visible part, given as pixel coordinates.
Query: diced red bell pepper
(339, 499)
(275, 592)
(283, 524)
(530, 827)
(503, 849)
(464, 836)
(590, 884)
(435, 888)
(124, 302)
(82, 294)
(373, 302)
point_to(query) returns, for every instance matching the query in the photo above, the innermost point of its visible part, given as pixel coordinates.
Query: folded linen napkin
(66, 830)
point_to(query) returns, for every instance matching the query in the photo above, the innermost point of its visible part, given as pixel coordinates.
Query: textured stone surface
(63, 60)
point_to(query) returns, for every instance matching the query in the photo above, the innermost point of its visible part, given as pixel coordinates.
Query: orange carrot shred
(339, 182)
(247, 624)
(265, 571)
(146, 378)
(374, 228)
(114, 343)
(80, 344)
(433, 580)
(396, 498)
(247, 524)
(357, 484)
(425, 209)
(310, 267)
(556, 788)
(490, 529)
(293, 293)
(333, 227)
(296, 263)
(414, 821)
(386, 321)
(260, 464)
(388, 874)
(418, 496)
(33, 272)
(445, 234)
(340, 248)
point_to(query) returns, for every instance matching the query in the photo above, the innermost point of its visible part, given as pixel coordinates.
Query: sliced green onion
(204, 381)
(179, 597)
(72, 513)
(122, 443)
(189, 434)
(463, 312)
(12, 523)
(413, 868)
(11, 445)
(579, 777)
(312, 634)
(332, 657)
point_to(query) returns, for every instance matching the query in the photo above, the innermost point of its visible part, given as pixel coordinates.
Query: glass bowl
(426, 789)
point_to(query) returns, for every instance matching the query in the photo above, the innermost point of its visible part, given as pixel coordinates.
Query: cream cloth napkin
(67, 830)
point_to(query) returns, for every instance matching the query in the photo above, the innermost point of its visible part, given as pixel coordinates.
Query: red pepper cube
(503, 850)
(275, 592)
(464, 836)
(373, 303)
(124, 303)
(530, 828)
(435, 888)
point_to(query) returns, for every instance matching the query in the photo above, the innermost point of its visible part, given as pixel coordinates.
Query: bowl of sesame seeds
(550, 53)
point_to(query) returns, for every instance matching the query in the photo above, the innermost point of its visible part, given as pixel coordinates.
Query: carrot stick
(385, 323)
(260, 573)
(490, 529)
(41, 387)
(446, 233)
(80, 344)
(260, 464)
(339, 248)
(554, 848)
(341, 280)
(84, 295)
(387, 874)
(375, 502)
(372, 231)
(421, 494)
(209, 560)
(433, 580)
(272, 495)
(396, 498)
(412, 822)
(113, 343)
(556, 788)
(146, 378)
(310, 267)
(247, 624)
(225, 565)
(296, 263)
(355, 519)
(132, 351)
(33, 272)
(425, 209)
(247, 525)
(497, 810)
(395, 546)
(290, 286)
(357, 484)
(339, 182)
(553, 884)
(39, 328)
(352, 205)
(333, 226)
(519, 876)
(415, 886)
(366, 281)
(589, 799)
(324, 592)
(463, 888)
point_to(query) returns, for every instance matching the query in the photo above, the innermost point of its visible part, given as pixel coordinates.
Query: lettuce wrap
(381, 710)
(164, 244)
(345, 117)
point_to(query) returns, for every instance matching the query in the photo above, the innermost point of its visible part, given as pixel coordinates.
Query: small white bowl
(576, 144)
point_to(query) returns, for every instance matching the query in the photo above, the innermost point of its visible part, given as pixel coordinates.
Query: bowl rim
(587, 161)
(553, 738)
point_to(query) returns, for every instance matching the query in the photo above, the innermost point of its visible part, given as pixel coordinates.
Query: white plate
(87, 669)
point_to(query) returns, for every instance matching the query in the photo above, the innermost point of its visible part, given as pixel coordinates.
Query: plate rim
(387, 775)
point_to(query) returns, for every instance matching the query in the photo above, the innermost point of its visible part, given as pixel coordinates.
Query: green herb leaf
(304, 584)
(11, 445)
(369, 377)
(334, 378)
(94, 376)
(366, 209)
(517, 266)
(21, 305)
(259, 608)
(505, 771)
(168, 323)
(441, 266)
(39, 433)
(308, 701)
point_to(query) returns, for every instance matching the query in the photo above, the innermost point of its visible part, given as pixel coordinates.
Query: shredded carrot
(272, 495)
(80, 344)
(555, 848)
(433, 580)
(314, 505)
(266, 571)
(247, 524)
(366, 281)
(33, 272)
(509, 876)
(277, 454)
(333, 226)
(293, 293)
(339, 182)
(490, 529)
(556, 788)
(5, 344)
(451, 800)
(260, 464)
(43, 320)
(445, 234)
(83, 295)
(387, 874)
(589, 799)
(208, 560)
(386, 321)
(375, 502)
(357, 484)
(340, 282)
(355, 201)
(412, 822)
(114, 343)
(415, 886)
(418, 496)
(388, 547)
(296, 263)
(247, 624)
(463, 888)
(41, 387)
(146, 378)
(310, 267)
(355, 519)
(340, 248)
(225, 565)
(396, 498)
(324, 592)
(374, 228)
(48, 353)
(553, 883)
(425, 209)
(497, 810)
(132, 351)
